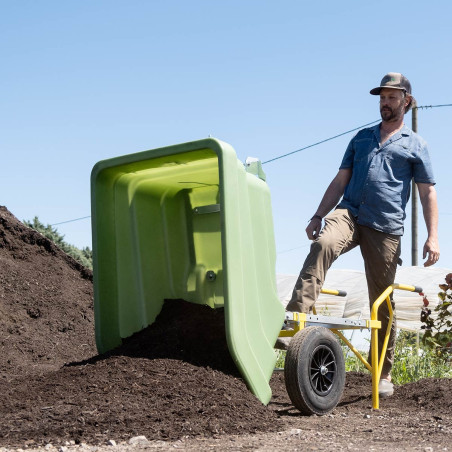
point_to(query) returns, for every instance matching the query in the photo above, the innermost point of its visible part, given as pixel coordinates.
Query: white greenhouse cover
(356, 303)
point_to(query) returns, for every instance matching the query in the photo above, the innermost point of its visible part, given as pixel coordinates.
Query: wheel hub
(322, 370)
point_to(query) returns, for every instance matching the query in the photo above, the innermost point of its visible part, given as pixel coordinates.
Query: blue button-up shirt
(379, 188)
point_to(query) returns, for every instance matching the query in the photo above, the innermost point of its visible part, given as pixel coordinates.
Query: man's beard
(388, 114)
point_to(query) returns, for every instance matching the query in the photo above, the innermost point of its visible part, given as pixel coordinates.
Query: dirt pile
(46, 303)
(165, 382)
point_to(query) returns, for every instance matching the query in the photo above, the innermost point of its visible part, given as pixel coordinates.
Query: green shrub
(413, 360)
(84, 256)
(438, 328)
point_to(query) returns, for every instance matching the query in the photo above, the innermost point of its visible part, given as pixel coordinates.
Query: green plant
(84, 256)
(352, 362)
(438, 327)
(280, 358)
(414, 361)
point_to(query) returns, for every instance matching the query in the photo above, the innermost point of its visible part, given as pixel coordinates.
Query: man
(374, 183)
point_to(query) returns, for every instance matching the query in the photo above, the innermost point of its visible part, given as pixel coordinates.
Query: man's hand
(330, 199)
(431, 248)
(314, 227)
(427, 193)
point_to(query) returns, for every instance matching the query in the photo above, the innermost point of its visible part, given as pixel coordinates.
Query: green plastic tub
(187, 222)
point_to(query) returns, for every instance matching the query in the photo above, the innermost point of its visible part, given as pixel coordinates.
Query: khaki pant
(380, 252)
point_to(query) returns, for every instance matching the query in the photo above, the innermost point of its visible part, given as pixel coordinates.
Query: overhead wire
(296, 151)
(320, 142)
(70, 221)
(345, 133)
(433, 106)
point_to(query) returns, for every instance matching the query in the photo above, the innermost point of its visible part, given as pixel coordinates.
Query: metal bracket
(211, 208)
(334, 322)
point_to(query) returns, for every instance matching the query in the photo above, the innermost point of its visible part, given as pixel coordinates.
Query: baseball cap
(393, 80)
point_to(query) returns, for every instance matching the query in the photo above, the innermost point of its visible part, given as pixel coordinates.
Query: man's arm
(330, 199)
(427, 194)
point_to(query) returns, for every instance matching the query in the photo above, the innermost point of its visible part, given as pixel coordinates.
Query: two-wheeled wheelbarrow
(314, 368)
(191, 222)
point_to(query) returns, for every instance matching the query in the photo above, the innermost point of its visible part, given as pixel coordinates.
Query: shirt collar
(405, 131)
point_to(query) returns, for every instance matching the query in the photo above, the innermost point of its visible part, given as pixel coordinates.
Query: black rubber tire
(314, 370)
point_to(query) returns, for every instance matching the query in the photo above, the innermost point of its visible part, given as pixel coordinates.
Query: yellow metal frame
(376, 366)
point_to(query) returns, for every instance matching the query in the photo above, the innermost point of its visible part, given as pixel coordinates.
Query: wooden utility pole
(414, 203)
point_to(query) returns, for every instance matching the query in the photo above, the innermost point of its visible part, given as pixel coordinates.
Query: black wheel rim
(322, 370)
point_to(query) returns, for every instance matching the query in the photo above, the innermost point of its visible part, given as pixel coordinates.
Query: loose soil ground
(174, 382)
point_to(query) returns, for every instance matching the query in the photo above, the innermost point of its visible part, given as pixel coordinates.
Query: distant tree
(84, 256)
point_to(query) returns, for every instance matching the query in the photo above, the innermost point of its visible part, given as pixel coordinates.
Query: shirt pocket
(363, 150)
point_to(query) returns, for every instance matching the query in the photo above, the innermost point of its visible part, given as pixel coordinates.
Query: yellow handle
(339, 293)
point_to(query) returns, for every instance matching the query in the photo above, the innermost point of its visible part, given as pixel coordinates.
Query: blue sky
(82, 81)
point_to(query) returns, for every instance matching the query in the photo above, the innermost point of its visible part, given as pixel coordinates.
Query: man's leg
(381, 252)
(338, 236)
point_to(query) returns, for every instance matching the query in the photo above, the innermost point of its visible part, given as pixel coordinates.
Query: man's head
(394, 86)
